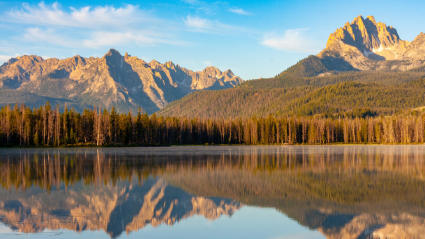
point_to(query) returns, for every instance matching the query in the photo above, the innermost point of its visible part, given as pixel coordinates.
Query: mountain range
(124, 82)
(365, 69)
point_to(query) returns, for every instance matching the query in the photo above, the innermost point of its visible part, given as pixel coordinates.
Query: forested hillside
(350, 94)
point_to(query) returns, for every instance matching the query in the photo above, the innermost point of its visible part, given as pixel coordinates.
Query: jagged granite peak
(366, 44)
(421, 36)
(112, 56)
(365, 34)
(113, 52)
(125, 82)
(363, 44)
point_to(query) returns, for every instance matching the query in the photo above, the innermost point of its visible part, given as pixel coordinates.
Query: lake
(269, 192)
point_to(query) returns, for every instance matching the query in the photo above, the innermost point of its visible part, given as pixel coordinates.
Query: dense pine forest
(48, 126)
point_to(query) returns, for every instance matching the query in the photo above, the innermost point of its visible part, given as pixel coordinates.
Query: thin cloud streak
(108, 26)
(94, 27)
(203, 25)
(102, 39)
(197, 23)
(239, 11)
(98, 39)
(47, 36)
(85, 17)
(294, 40)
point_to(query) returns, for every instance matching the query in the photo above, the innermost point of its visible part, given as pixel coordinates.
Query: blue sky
(253, 38)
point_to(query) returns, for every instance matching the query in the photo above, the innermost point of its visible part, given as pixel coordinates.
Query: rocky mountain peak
(420, 37)
(365, 34)
(170, 65)
(29, 59)
(365, 44)
(113, 55)
(112, 52)
(76, 60)
(154, 64)
(228, 73)
(359, 21)
(211, 69)
(114, 60)
(368, 45)
(371, 18)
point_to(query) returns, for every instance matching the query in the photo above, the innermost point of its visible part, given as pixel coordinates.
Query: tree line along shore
(49, 126)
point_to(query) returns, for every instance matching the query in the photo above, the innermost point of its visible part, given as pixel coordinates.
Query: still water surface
(213, 192)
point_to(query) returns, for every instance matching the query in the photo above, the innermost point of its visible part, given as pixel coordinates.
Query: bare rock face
(124, 82)
(365, 34)
(369, 45)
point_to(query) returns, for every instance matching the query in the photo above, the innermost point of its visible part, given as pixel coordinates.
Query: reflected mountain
(341, 191)
(112, 208)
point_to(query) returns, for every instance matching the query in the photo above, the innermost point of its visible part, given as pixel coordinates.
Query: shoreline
(202, 145)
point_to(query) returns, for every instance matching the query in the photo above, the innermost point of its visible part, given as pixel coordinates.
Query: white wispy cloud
(203, 25)
(4, 58)
(210, 8)
(94, 27)
(84, 17)
(50, 36)
(197, 23)
(53, 25)
(239, 11)
(98, 39)
(101, 39)
(291, 40)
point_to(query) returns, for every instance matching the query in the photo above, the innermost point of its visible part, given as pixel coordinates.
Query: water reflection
(341, 191)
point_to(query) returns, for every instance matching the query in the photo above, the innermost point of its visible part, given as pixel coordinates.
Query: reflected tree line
(47, 126)
(61, 167)
(376, 179)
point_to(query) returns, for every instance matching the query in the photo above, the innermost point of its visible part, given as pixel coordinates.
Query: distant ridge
(124, 82)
